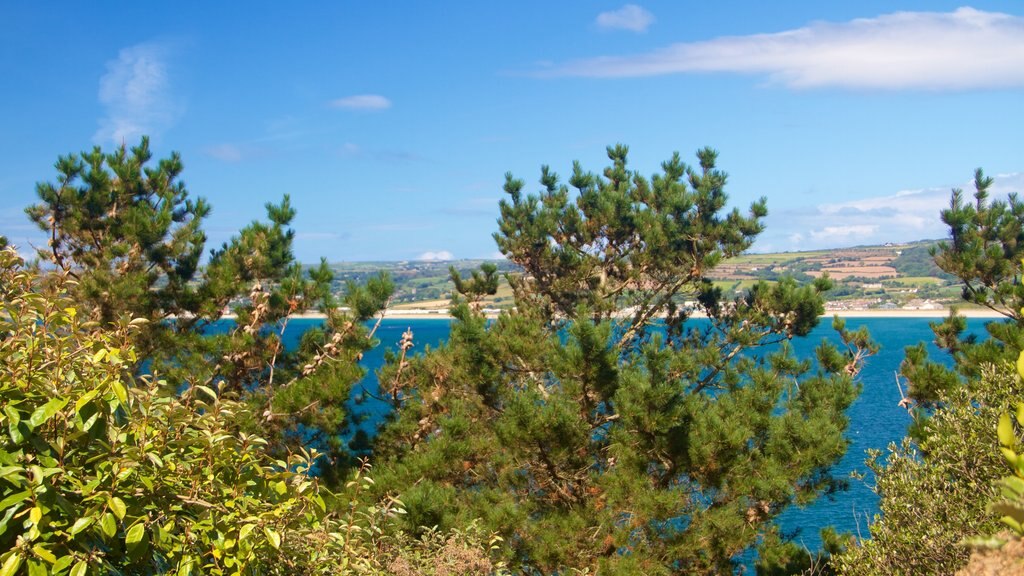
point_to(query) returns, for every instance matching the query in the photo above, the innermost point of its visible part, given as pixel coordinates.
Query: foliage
(1010, 504)
(984, 253)
(132, 238)
(102, 473)
(933, 496)
(589, 433)
(917, 260)
(934, 487)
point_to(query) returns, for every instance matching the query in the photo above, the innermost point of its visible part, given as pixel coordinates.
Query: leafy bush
(101, 473)
(934, 495)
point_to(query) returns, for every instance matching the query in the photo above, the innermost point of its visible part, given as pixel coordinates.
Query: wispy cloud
(136, 95)
(629, 17)
(899, 217)
(472, 207)
(960, 50)
(362, 102)
(352, 150)
(436, 256)
(225, 152)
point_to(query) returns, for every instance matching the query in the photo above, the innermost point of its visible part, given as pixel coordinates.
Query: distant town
(889, 277)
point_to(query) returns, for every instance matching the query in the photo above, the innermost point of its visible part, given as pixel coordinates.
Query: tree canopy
(984, 252)
(599, 426)
(130, 235)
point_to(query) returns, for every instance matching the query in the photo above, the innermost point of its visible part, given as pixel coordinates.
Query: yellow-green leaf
(62, 563)
(119, 391)
(272, 536)
(35, 515)
(11, 565)
(1020, 364)
(81, 524)
(136, 541)
(108, 525)
(1010, 455)
(80, 569)
(1005, 431)
(43, 553)
(36, 568)
(245, 531)
(46, 411)
(117, 507)
(85, 399)
(12, 414)
(207, 391)
(14, 499)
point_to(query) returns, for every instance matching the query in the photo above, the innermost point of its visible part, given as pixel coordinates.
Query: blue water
(876, 420)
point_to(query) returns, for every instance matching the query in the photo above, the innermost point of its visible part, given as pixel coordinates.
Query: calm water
(875, 418)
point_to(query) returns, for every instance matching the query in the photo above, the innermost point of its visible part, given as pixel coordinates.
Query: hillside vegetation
(864, 277)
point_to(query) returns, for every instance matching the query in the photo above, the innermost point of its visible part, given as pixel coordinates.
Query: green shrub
(103, 474)
(934, 495)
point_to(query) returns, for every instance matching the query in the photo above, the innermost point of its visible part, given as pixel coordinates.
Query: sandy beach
(442, 314)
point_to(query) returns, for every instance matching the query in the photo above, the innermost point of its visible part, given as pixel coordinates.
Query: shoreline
(442, 314)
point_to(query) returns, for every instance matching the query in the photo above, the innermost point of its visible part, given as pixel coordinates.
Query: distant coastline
(442, 314)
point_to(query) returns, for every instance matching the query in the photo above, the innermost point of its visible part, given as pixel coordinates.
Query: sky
(392, 124)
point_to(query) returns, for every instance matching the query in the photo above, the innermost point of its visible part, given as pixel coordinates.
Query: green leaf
(43, 553)
(273, 537)
(136, 541)
(80, 569)
(81, 524)
(1020, 364)
(117, 507)
(108, 525)
(1011, 510)
(12, 414)
(245, 531)
(14, 499)
(11, 565)
(119, 391)
(207, 391)
(46, 411)
(37, 568)
(62, 563)
(1005, 431)
(85, 399)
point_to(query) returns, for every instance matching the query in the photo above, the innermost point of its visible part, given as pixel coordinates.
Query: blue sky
(392, 124)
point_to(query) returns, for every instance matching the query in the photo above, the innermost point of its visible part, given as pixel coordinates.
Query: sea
(876, 419)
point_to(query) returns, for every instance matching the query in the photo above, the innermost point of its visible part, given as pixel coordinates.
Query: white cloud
(362, 102)
(898, 217)
(629, 17)
(225, 152)
(439, 255)
(960, 50)
(349, 150)
(843, 234)
(136, 95)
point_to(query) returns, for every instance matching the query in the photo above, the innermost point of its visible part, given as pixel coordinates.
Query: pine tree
(984, 252)
(131, 237)
(591, 434)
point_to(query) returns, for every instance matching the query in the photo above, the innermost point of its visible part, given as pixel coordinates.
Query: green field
(426, 283)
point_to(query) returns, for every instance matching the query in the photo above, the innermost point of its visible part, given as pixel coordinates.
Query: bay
(876, 419)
